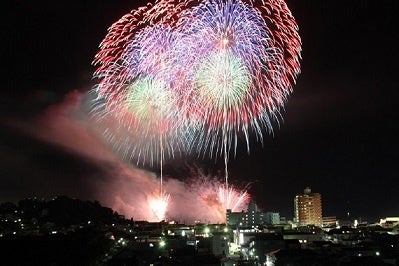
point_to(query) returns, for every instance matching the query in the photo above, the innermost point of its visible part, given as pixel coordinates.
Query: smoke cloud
(118, 184)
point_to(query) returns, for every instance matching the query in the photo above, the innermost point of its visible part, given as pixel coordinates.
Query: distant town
(67, 231)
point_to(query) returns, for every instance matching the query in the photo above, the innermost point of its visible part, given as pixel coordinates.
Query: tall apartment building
(308, 209)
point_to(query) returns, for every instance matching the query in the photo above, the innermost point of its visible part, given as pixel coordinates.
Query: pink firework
(223, 67)
(244, 58)
(138, 102)
(216, 196)
(195, 76)
(232, 199)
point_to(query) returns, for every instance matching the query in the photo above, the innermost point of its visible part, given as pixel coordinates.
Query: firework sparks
(195, 76)
(159, 205)
(225, 68)
(232, 199)
(241, 74)
(216, 196)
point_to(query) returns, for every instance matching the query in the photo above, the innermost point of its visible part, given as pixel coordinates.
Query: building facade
(252, 217)
(272, 218)
(255, 216)
(308, 208)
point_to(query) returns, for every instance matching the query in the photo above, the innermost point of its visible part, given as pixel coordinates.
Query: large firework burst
(195, 75)
(242, 68)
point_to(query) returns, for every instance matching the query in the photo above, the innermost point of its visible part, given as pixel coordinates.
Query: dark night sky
(340, 127)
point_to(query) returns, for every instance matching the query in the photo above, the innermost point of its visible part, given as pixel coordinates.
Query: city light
(162, 243)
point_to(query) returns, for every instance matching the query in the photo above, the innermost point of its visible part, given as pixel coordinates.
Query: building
(389, 222)
(255, 216)
(262, 244)
(272, 218)
(330, 221)
(220, 244)
(235, 218)
(252, 217)
(308, 208)
(304, 238)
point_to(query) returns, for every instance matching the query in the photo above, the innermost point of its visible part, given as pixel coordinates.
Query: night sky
(339, 135)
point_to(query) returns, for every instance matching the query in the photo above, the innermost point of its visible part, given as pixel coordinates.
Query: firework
(215, 196)
(159, 204)
(182, 76)
(135, 193)
(206, 72)
(135, 102)
(244, 58)
(141, 104)
(242, 71)
(218, 198)
(195, 76)
(232, 199)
